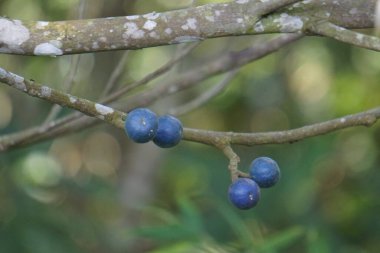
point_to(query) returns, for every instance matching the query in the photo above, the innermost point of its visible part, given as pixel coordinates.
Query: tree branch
(85, 106)
(367, 118)
(241, 17)
(217, 139)
(351, 37)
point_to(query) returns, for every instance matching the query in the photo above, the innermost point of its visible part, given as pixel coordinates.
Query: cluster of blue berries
(142, 125)
(244, 193)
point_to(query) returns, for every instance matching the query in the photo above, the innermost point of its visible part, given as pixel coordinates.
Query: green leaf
(317, 242)
(237, 224)
(190, 216)
(281, 240)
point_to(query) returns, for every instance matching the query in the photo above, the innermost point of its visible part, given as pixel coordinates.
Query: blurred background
(96, 191)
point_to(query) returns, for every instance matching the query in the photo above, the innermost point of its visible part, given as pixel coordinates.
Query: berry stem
(234, 162)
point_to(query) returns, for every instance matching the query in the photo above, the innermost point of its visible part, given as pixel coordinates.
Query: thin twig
(116, 73)
(367, 118)
(67, 87)
(51, 95)
(204, 97)
(342, 34)
(225, 63)
(151, 76)
(69, 81)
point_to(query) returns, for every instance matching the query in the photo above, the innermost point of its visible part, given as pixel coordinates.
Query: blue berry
(264, 171)
(244, 193)
(141, 125)
(169, 132)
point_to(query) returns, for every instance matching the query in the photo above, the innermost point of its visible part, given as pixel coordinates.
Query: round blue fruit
(264, 171)
(169, 132)
(141, 125)
(244, 193)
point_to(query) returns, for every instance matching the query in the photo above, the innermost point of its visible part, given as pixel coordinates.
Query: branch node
(234, 162)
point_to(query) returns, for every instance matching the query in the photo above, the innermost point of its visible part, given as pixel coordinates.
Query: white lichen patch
(191, 23)
(41, 24)
(72, 99)
(20, 86)
(152, 15)
(132, 31)
(102, 39)
(13, 34)
(18, 82)
(149, 25)
(103, 110)
(239, 20)
(133, 17)
(45, 91)
(17, 78)
(217, 13)
(259, 27)
(154, 35)
(95, 45)
(168, 31)
(241, 1)
(359, 37)
(210, 18)
(48, 48)
(56, 43)
(289, 23)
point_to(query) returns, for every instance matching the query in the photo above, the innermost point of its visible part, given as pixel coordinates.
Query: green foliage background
(68, 194)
